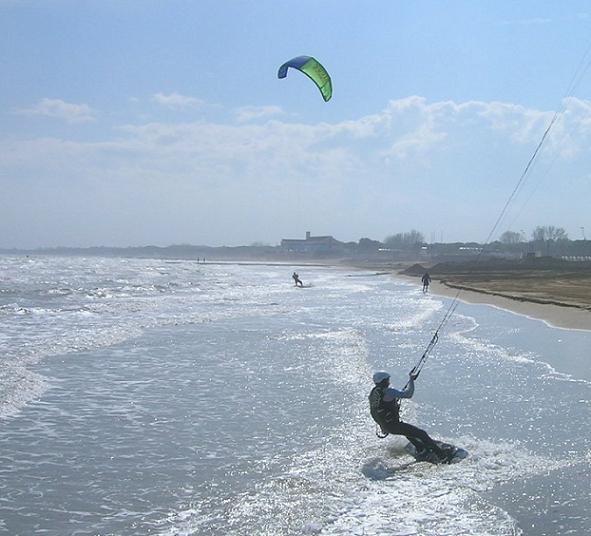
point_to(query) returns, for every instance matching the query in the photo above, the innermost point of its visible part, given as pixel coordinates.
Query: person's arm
(407, 392)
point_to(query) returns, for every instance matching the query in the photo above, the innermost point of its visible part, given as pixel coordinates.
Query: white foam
(62, 305)
(345, 482)
(356, 484)
(19, 385)
(334, 491)
(415, 311)
(486, 350)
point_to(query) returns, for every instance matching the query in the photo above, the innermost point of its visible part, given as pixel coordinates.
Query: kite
(313, 69)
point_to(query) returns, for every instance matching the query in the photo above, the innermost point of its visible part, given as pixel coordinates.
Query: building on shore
(312, 244)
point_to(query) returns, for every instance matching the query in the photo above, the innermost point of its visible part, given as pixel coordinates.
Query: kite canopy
(313, 69)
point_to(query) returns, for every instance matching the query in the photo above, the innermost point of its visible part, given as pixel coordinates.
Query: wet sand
(567, 314)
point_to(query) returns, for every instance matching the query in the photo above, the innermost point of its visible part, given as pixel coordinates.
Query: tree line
(414, 238)
(542, 233)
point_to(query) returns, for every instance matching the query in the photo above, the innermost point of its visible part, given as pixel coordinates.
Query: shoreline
(552, 314)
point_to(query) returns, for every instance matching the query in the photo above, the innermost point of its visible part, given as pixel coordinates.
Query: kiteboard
(453, 454)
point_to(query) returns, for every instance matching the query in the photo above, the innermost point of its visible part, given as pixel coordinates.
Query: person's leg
(408, 430)
(394, 429)
(419, 445)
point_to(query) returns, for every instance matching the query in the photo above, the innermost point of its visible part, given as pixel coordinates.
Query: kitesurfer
(426, 279)
(384, 405)
(298, 281)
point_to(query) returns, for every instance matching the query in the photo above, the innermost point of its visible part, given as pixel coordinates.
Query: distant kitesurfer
(384, 405)
(426, 279)
(297, 280)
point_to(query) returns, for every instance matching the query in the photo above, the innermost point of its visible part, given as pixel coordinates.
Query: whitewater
(171, 397)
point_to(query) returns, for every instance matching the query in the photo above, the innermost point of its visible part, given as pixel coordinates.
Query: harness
(383, 413)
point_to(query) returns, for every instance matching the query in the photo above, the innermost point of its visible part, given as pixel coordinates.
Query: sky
(130, 123)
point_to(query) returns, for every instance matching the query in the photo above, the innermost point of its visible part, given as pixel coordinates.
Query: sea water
(145, 396)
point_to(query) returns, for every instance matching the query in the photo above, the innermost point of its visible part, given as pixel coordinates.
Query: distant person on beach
(297, 280)
(384, 406)
(426, 279)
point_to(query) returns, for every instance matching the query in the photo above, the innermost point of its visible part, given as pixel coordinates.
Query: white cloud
(248, 113)
(418, 141)
(59, 109)
(363, 169)
(176, 101)
(403, 127)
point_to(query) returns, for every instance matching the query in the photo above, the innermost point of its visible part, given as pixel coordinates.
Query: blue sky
(161, 122)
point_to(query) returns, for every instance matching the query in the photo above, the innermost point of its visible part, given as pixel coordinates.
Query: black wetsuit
(384, 406)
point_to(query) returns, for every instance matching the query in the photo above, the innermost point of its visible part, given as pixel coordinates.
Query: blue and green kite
(313, 69)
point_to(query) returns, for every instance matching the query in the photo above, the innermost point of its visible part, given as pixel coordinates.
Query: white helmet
(379, 377)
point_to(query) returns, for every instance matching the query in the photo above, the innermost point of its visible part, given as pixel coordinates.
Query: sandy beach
(566, 315)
